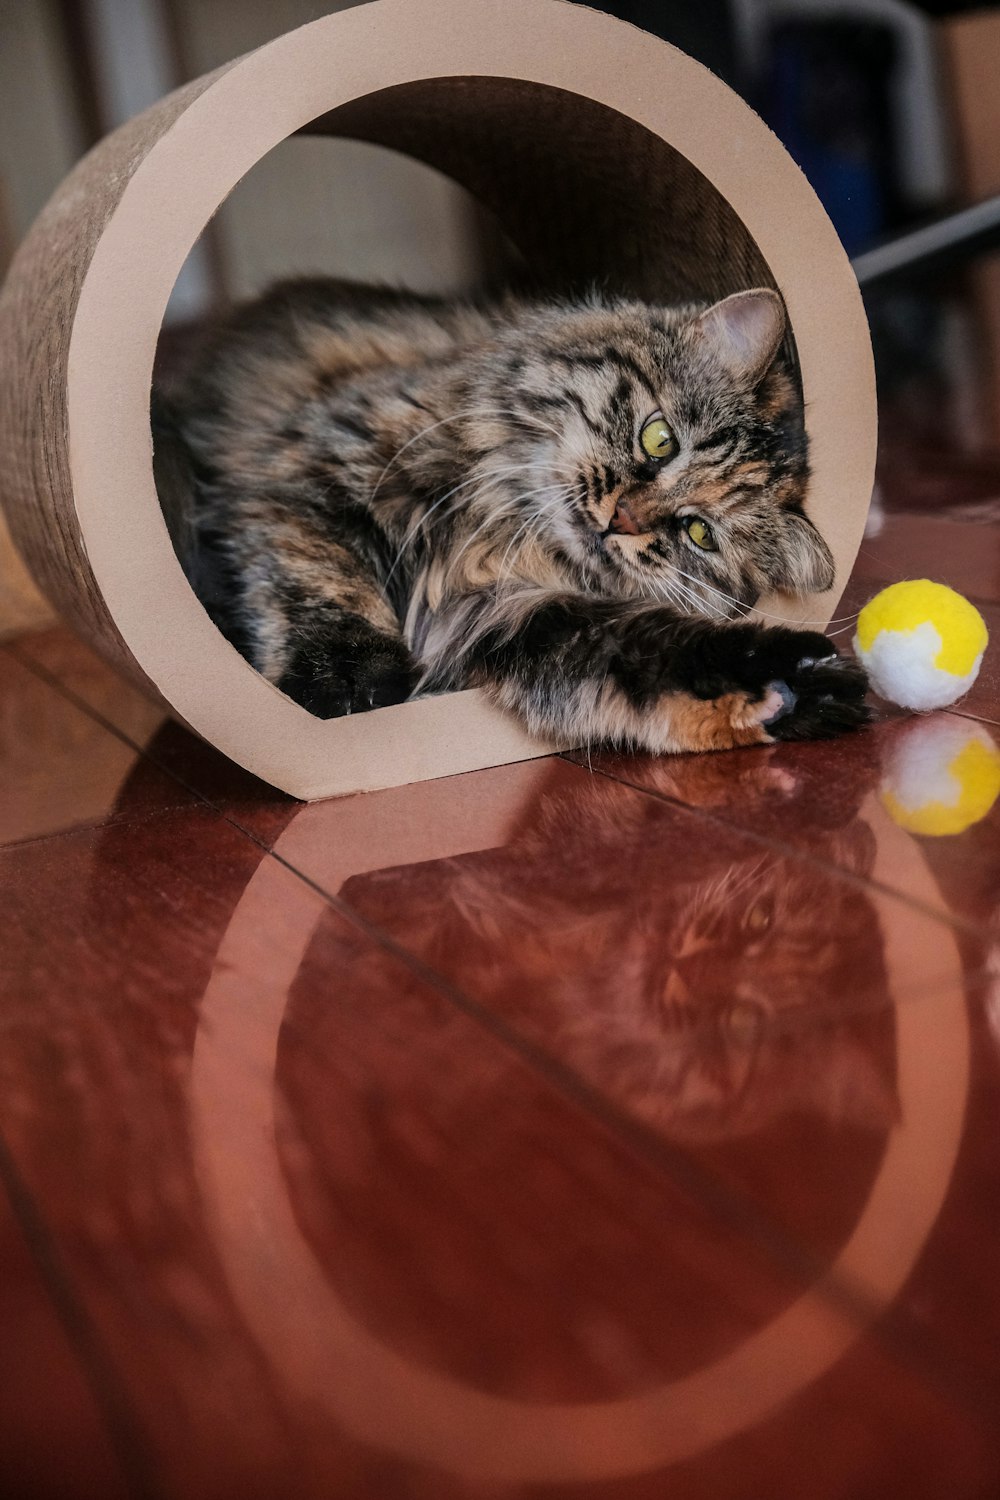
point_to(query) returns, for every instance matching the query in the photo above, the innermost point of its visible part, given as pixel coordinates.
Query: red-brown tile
(929, 784)
(593, 873)
(963, 554)
(182, 756)
(44, 1390)
(60, 768)
(342, 1234)
(951, 1300)
(116, 933)
(68, 660)
(740, 1003)
(251, 803)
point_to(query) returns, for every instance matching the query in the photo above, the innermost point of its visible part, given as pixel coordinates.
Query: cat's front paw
(789, 684)
(826, 697)
(351, 677)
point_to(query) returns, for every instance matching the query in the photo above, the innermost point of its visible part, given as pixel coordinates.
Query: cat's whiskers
(421, 520)
(731, 886)
(527, 525)
(529, 419)
(550, 509)
(491, 520)
(456, 416)
(477, 531)
(683, 598)
(424, 432)
(662, 590)
(753, 609)
(699, 602)
(537, 526)
(700, 599)
(486, 481)
(669, 595)
(505, 506)
(534, 523)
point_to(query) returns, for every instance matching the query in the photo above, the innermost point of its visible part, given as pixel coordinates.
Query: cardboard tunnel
(605, 154)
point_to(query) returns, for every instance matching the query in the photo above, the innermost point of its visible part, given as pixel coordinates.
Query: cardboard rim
(198, 145)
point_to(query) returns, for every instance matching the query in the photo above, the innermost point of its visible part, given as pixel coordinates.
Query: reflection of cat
(485, 1223)
(709, 988)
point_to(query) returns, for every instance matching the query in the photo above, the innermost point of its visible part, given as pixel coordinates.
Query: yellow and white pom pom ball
(922, 643)
(942, 777)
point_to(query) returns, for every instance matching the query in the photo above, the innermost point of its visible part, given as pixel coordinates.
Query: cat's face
(712, 995)
(677, 438)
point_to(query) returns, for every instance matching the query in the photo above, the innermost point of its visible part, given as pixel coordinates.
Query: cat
(572, 504)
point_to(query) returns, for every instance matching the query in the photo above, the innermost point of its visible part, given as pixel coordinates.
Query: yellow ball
(921, 643)
(943, 777)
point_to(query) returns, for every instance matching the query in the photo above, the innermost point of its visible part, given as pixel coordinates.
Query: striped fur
(376, 494)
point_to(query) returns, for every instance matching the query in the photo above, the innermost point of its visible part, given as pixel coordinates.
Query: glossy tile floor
(608, 1130)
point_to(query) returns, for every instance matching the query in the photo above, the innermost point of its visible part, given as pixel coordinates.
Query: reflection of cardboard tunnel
(605, 155)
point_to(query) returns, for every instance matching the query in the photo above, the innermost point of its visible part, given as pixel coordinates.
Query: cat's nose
(677, 1000)
(623, 521)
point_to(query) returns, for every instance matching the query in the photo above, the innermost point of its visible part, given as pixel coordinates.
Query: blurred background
(885, 106)
(891, 109)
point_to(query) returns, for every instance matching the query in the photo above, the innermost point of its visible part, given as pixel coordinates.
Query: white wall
(338, 207)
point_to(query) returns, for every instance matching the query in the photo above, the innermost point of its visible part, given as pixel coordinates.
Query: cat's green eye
(700, 533)
(657, 439)
(757, 918)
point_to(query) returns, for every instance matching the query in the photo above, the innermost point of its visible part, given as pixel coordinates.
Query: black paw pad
(830, 699)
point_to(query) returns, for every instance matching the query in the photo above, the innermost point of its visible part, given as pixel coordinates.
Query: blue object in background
(827, 98)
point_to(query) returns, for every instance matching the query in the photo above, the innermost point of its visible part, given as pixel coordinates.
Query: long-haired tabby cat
(571, 504)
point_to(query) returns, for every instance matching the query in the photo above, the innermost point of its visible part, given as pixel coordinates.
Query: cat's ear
(807, 566)
(743, 333)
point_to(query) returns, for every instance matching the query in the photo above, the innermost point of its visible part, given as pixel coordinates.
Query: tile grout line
(785, 1252)
(981, 601)
(858, 881)
(771, 1239)
(512, 1039)
(91, 825)
(976, 718)
(828, 867)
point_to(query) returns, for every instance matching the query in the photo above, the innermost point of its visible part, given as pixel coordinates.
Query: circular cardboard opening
(586, 196)
(587, 131)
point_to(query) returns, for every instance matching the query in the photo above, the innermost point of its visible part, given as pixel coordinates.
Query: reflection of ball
(942, 777)
(921, 642)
